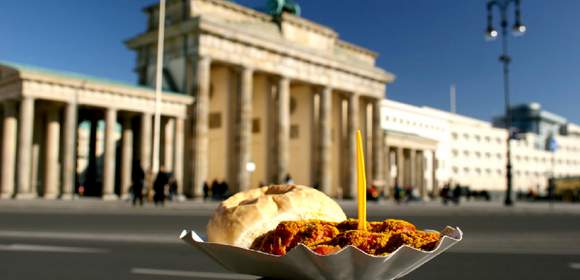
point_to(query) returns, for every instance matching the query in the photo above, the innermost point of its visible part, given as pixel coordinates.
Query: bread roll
(246, 215)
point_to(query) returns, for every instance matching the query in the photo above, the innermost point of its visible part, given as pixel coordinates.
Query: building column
(109, 156)
(324, 140)
(24, 189)
(51, 173)
(435, 187)
(126, 156)
(168, 144)
(10, 124)
(145, 144)
(387, 170)
(400, 181)
(281, 157)
(69, 151)
(200, 143)
(352, 126)
(244, 131)
(412, 175)
(378, 142)
(421, 174)
(178, 157)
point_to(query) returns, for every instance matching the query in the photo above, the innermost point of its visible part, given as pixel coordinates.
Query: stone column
(200, 143)
(412, 168)
(51, 173)
(178, 157)
(435, 187)
(168, 143)
(69, 150)
(324, 144)
(377, 149)
(244, 130)
(24, 189)
(421, 174)
(400, 167)
(126, 156)
(8, 147)
(145, 144)
(109, 156)
(282, 129)
(387, 170)
(352, 126)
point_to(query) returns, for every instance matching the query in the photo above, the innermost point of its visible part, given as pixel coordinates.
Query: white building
(472, 152)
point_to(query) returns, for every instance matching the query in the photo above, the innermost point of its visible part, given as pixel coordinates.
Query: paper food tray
(302, 263)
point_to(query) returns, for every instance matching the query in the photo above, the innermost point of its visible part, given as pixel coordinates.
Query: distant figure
(445, 193)
(225, 188)
(397, 193)
(456, 194)
(409, 194)
(159, 186)
(289, 179)
(172, 188)
(215, 190)
(138, 179)
(373, 193)
(206, 190)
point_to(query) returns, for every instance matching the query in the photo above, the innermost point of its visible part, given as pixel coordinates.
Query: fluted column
(200, 143)
(69, 150)
(51, 173)
(282, 129)
(126, 156)
(24, 189)
(400, 167)
(145, 144)
(421, 174)
(168, 143)
(109, 157)
(412, 168)
(324, 144)
(435, 184)
(8, 148)
(244, 130)
(377, 149)
(178, 157)
(352, 126)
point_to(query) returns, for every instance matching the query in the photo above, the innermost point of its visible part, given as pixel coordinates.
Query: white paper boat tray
(302, 263)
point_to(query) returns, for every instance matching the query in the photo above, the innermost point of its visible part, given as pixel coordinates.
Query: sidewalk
(200, 207)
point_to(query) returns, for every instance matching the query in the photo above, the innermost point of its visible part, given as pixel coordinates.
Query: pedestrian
(159, 186)
(397, 193)
(225, 189)
(206, 190)
(456, 194)
(445, 193)
(289, 179)
(138, 182)
(172, 188)
(215, 190)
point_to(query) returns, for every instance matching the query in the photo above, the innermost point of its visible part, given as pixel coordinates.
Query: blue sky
(427, 44)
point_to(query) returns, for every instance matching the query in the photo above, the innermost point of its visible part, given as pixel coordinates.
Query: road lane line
(574, 265)
(188, 273)
(49, 248)
(116, 237)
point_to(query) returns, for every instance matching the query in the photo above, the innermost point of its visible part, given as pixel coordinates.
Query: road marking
(116, 237)
(189, 273)
(574, 265)
(48, 248)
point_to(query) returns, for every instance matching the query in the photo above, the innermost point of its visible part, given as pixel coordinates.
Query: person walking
(159, 186)
(138, 180)
(397, 193)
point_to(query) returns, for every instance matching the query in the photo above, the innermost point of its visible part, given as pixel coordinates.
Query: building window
(455, 152)
(478, 154)
(294, 133)
(215, 120)
(455, 169)
(454, 135)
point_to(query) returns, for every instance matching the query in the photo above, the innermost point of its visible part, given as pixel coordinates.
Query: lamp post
(505, 59)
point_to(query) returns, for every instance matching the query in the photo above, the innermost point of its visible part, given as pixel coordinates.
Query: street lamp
(505, 59)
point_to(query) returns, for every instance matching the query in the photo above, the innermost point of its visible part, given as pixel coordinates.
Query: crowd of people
(164, 186)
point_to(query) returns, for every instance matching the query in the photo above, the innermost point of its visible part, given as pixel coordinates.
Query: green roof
(75, 75)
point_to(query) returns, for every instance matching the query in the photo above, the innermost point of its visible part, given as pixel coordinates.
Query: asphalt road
(77, 243)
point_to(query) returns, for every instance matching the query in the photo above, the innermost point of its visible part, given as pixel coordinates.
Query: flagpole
(158, 86)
